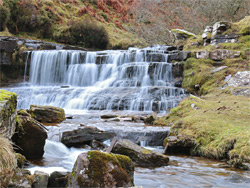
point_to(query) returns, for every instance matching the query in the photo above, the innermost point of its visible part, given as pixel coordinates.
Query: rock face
(85, 135)
(30, 137)
(98, 169)
(178, 144)
(8, 103)
(141, 157)
(47, 114)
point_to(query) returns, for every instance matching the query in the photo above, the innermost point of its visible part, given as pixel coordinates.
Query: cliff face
(8, 113)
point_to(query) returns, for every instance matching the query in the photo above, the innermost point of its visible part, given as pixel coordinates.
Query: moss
(98, 167)
(188, 34)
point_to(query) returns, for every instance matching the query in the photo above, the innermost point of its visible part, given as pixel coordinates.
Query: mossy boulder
(141, 157)
(30, 137)
(99, 169)
(181, 34)
(47, 114)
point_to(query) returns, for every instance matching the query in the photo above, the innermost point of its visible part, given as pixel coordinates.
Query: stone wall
(8, 113)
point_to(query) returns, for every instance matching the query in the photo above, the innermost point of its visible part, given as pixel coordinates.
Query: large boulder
(85, 135)
(98, 169)
(141, 157)
(218, 55)
(30, 136)
(47, 114)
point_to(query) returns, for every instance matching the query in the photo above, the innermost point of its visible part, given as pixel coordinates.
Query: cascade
(133, 79)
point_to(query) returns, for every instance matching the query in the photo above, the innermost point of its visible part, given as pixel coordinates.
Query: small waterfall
(26, 64)
(133, 79)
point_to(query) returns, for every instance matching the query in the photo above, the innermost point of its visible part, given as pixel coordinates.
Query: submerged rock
(85, 135)
(141, 157)
(47, 114)
(30, 137)
(98, 169)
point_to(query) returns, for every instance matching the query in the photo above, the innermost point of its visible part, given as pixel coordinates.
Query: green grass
(219, 124)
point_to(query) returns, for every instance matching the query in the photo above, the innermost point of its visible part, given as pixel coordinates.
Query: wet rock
(220, 27)
(30, 137)
(180, 144)
(98, 169)
(177, 73)
(150, 138)
(107, 116)
(149, 120)
(94, 144)
(47, 114)
(237, 178)
(41, 179)
(218, 55)
(140, 156)
(58, 179)
(85, 135)
(112, 119)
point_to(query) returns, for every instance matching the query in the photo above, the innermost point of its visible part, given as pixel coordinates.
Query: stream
(182, 171)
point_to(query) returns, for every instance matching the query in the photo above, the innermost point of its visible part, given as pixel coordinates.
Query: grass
(219, 123)
(7, 155)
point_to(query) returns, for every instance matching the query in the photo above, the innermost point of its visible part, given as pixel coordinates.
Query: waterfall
(133, 79)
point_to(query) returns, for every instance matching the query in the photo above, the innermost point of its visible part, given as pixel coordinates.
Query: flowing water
(134, 82)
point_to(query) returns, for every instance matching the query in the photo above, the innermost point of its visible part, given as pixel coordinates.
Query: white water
(134, 80)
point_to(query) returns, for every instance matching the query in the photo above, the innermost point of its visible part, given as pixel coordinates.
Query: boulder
(140, 156)
(47, 114)
(97, 145)
(85, 135)
(41, 179)
(58, 179)
(178, 144)
(30, 137)
(179, 56)
(181, 34)
(220, 27)
(208, 29)
(99, 169)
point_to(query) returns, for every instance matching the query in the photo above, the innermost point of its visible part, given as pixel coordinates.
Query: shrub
(4, 17)
(89, 35)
